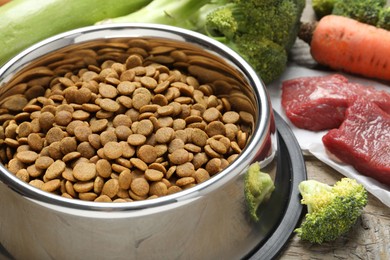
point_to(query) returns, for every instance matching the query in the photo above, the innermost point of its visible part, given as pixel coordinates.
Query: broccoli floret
(322, 7)
(384, 18)
(262, 31)
(246, 26)
(269, 58)
(365, 11)
(218, 21)
(331, 210)
(258, 188)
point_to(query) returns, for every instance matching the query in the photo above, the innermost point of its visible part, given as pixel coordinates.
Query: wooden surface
(370, 237)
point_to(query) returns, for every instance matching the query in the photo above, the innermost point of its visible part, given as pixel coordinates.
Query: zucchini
(25, 22)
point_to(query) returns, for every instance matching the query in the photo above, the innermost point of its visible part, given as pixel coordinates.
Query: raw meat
(319, 103)
(363, 140)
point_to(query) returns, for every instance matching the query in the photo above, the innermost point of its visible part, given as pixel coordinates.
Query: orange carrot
(2, 2)
(345, 44)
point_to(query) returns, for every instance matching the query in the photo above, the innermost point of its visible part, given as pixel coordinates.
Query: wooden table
(370, 237)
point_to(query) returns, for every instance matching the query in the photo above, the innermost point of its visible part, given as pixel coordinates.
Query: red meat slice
(319, 103)
(363, 140)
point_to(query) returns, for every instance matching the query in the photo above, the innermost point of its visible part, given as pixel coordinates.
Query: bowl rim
(88, 33)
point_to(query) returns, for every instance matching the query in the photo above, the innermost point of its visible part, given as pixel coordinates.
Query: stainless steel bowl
(208, 221)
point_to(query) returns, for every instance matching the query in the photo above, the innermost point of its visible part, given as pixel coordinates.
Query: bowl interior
(47, 67)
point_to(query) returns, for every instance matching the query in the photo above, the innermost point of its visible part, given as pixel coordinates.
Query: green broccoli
(261, 31)
(372, 12)
(384, 18)
(365, 11)
(322, 7)
(258, 188)
(331, 210)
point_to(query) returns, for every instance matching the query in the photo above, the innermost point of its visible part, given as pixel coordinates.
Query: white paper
(311, 142)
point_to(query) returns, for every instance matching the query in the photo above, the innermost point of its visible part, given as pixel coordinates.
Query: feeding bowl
(204, 219)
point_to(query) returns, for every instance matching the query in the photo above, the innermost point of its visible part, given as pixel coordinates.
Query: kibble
(27, 156)
(218, 146)
(185, 181)
(88, 196)
(98, 185)
(179, 156)
(83, 186)
(136, 139)
(23, 175)
(63, 118)
(140, 186)
(185, 170)
(230, 117)
(55, 169)
(54, 134)
(108, 136)
(35, 142)
(43, 162)
(111, 188)
(147, 153)
(80, 115)
(211, 114)
(37, 183)
(165, 134)
(113, 150)
(24, 129)
(109, 105)
(73, 156)
(82, 132)
(46, 120)
(33, 171)
(158, 188)
(153, 175)
(145, 127)
(98, 125)
(139, 164)
(124, 179)
(173, 189)
(84, 171)
(121, 130)
(107, 91)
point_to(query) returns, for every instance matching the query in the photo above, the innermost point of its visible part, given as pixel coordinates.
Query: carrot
(2, 2)
(345, 44)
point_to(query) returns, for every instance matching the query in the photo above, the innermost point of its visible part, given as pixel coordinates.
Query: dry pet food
(122, 121)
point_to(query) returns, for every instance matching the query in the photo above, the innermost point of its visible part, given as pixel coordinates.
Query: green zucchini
(25, 22)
